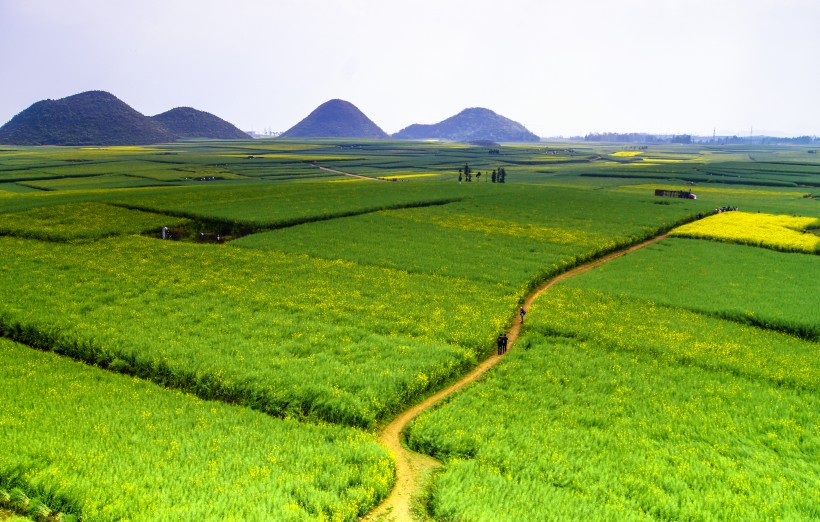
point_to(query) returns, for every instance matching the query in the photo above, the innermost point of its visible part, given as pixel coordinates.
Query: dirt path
(351, 174)
(412, 467)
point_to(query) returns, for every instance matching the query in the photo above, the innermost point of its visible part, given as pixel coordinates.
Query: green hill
(88, 118)
(190, 123)
(470, 125)
(335, 119)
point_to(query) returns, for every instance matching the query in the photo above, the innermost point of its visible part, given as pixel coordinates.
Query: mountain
(191, 123)
(335, 119)
(469, 125)
(88, 118)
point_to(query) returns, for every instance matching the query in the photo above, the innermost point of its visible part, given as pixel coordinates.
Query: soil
(351, 174)
(411, 467)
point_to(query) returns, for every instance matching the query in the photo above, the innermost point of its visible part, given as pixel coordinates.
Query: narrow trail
(351, 174)
(412, 467)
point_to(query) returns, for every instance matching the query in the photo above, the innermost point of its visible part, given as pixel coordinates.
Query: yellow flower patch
(407, 176)
(124, 148)
(626, 153)
(767, 230)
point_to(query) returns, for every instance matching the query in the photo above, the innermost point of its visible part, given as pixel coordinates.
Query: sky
(561, 68)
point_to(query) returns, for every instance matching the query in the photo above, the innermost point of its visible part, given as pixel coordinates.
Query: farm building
(684, 194)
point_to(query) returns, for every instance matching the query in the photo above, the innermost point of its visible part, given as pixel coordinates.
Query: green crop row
(77, 221)
(742, 283)
(511, 235)
(620, 409)
(263, 204)
(248, 326)
(101, 446)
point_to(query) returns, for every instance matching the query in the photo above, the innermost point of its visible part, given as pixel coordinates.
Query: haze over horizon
(560, 68)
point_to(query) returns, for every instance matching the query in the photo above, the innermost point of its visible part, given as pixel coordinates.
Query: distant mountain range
(187, 122)
(100, 118)
(335, 119)
(474, 124)
(342, 119)
(88, 118)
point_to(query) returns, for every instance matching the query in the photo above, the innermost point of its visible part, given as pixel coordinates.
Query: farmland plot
(616, 408)
(742, 283)
(102, 446)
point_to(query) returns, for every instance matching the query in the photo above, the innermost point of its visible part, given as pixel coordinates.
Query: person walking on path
(522, 312)
(503, 343)
(500, 343)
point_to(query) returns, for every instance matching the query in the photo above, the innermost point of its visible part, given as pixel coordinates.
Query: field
(300, 304)
(785, 233)
(161, 447)
(618, 407)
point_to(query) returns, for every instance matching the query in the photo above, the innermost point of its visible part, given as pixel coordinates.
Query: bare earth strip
(411, 467)
(351, 174)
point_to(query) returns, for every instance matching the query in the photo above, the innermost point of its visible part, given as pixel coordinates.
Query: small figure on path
(522, 313)
(504, 343)
(500, 343)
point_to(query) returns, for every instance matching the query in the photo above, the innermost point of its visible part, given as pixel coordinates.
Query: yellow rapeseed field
(414, 175)
(768, 230)
(627, 153)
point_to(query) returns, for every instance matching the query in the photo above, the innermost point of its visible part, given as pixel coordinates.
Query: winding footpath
(412, 467)
(351, 174)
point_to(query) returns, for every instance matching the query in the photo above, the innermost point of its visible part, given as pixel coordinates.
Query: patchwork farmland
(245, 366)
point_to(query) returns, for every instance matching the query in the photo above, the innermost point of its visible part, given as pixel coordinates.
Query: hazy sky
(563, 67)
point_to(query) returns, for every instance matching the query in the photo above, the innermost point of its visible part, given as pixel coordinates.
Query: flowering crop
(108, 447)
(81, 221)
(248, 325)
(616, 409)
(750, 285)
(786, 233)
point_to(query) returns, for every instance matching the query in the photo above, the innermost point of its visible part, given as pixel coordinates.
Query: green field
(618, 407)
(312, 307)
(121, 448)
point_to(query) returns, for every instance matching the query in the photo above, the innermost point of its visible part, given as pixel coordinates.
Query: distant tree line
(496, 176)
(637, 137)
(761, 140)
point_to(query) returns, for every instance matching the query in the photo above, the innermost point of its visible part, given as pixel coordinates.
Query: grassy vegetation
(101, 446)
(617, 408)
(279, 205)
(360, 297)
(510, 235)
(77, 221)
(750, 285)
(248, 326)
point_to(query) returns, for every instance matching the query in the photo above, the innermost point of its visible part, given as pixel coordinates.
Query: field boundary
(412, 466)
(360, 176)
(236, 229)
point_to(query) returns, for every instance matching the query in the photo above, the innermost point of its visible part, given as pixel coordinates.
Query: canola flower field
(347, 302)
(786, 233)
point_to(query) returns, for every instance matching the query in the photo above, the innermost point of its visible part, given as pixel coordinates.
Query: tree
(478, 176)
(493, 176)
(502, 174)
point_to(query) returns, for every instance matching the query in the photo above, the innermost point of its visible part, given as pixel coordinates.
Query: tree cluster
(466, 174)
(637, 137)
